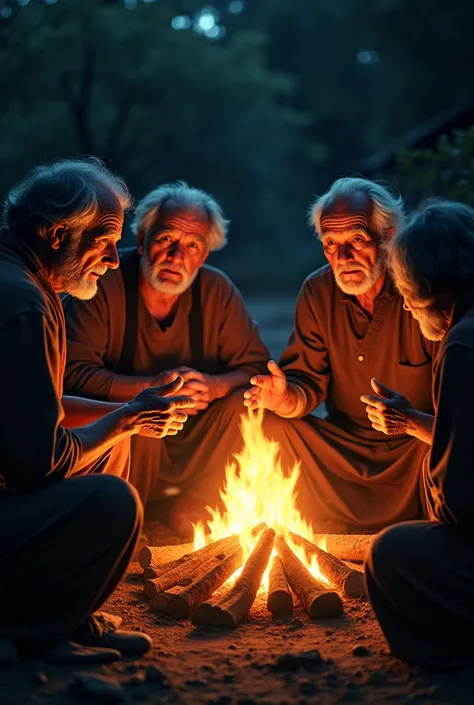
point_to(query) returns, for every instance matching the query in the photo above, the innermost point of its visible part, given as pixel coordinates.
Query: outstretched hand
(267, 391)
(158, 412)
(388, 410)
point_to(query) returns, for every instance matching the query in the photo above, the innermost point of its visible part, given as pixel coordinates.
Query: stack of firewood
(181, 582)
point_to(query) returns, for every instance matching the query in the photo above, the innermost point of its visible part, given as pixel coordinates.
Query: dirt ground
(265, 661)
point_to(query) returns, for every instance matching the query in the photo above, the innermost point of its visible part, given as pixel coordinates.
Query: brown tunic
(231, 341)
(95, 331)
(336, 347)
(353, 477)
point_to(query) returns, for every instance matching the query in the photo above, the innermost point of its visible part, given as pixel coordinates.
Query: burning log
(234, 606)
(156, 571)
(350, 581)
(317, 599)
(160, 601)
(161, 559)
(350, 547)
(184, 601)
(280, 599)
(151, 556)
(184, 570)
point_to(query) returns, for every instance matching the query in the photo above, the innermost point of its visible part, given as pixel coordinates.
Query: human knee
(117, 502)
(388, 551)
(232, 406)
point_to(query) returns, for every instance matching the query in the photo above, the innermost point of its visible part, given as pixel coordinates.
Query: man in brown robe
(165, 312)
(420, 575)
(350, 326)
(67, 530)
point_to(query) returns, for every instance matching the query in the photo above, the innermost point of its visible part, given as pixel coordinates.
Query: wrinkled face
(355, 257)
(174, 250)
(352, 249)
(83, 258)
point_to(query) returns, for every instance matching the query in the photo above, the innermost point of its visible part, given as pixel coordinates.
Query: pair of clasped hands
(387, 410)
(163, 408)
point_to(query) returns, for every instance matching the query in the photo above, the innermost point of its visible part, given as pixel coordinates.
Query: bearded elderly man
(350, 325)
(165, 312)
(420, 575)
(67, 527)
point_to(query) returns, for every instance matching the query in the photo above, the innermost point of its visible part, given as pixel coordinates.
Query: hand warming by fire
(258, 540)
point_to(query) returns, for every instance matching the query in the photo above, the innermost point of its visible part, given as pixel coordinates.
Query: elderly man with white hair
(350, 326)
(164, 313)
(67, 527)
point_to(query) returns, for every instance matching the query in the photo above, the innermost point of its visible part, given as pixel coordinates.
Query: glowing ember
(257, 490)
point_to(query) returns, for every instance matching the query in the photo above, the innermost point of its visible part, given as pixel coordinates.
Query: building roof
(424, 136)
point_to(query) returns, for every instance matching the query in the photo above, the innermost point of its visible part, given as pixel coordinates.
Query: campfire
(258, 540)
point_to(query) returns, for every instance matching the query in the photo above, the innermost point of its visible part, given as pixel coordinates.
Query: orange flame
(257, 490)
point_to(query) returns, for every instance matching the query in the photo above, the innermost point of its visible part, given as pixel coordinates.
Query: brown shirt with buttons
(336, 348)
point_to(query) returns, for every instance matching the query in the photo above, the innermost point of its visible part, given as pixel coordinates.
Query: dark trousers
(349, 483)
(63, 549)
(420, 581)
(195, 459)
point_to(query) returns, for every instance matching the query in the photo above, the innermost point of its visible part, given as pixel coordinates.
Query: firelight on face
(174, 253)
(355, 257)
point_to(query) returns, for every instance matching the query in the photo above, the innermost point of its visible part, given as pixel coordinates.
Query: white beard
(372, 276)
(433, 324)
(73, 280)
(164, 287)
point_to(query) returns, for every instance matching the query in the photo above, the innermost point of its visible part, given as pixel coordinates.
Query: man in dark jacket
(420, 575)
(67, 530)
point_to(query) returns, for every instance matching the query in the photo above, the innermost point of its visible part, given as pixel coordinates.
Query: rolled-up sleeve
(35, 448)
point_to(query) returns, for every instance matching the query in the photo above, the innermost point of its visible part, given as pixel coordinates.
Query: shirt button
(360, 358)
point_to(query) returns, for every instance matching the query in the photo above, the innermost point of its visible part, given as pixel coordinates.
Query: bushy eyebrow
(109, 229)
(167, 230)
(349, 231)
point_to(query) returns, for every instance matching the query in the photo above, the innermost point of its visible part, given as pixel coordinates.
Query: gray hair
(434, 253)
(65, 192)
(387, 209)
(187, 198)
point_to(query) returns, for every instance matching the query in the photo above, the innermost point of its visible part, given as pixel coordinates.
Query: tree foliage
(447, 171)
(291, 96)
(155, 103)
